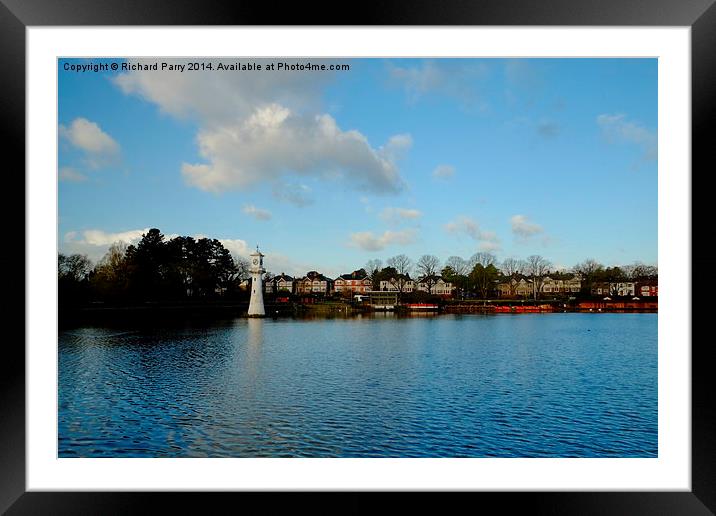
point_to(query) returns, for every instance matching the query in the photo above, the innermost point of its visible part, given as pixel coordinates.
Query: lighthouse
(256, 305)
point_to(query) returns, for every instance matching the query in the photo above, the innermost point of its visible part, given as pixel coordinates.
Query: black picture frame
(699, 15)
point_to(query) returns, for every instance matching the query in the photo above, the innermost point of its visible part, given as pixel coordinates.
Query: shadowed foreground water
(528, 385)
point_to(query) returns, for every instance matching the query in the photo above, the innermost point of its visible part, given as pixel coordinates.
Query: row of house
(524, 287)
(358, 282)
(627, 288)
(316, 283)
(438, 286)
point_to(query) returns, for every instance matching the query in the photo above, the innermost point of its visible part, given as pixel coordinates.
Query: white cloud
(94, 243)
(466, 225)
(397, 146)
(617, 129)
(98, 237)
(444, 171)
(397, 215)
(236, 246)
(99, 148)
(522, 227)
(262, 127)
(275, 142)
(70, 174)
(257, 213)
(229, 95)
(368, 241)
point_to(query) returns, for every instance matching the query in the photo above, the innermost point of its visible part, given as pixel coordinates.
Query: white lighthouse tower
(256, 304)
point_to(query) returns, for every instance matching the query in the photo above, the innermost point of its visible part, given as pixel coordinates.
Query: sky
(328, 169)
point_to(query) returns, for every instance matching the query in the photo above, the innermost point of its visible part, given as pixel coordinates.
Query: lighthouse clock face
(256, 261)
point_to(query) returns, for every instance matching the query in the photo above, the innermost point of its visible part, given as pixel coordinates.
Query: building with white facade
(439, 287)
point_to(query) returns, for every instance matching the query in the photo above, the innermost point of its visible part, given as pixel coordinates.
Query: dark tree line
(156, 269)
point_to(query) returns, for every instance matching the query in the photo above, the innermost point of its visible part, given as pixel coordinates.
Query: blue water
(527, 385)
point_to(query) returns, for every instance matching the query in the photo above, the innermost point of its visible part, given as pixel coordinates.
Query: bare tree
(75, 266)
(537, 267)
(241, 268)
(372, 268)
(483, 259)
(403, 266)
(588, 270)
(427, 270)
(639, 271)
(458, 265)
(513, 268)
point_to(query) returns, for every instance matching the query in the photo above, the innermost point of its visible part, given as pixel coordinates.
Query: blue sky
(328, 169)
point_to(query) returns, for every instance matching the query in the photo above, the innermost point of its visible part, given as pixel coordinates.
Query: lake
(525, 385)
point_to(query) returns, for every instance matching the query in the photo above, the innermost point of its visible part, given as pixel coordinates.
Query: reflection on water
(538, 385)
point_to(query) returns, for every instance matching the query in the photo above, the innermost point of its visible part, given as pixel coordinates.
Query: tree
(484, 277)
(241, 270)
(537, 267)
(224, 266)
(213, 266)
(178, 275)
(458, 265)
(372, 269)
(483, 259)
(385, 274)
(110, 277)
(458, 280)
(402, 266)
(147, 262)
(613, 276)
(589, 271)
(75, 267)
(72, 278)
(455, 272)
(427, 269)
(641, 272)
(513, 269)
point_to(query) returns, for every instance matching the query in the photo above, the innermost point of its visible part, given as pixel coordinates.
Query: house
(357, 281)
(555, 284)
(521, 287)
(604, 288)
(647, 289)
(283, 283)
(391, 286)
(438, 286)
(314, 283)
(524, 288)
(626, 288)
(568, 284)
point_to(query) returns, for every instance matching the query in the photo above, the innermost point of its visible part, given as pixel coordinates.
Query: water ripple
(450, 386)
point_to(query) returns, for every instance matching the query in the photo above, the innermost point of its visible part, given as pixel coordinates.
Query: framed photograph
(421, 251)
